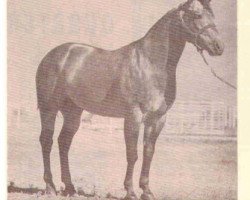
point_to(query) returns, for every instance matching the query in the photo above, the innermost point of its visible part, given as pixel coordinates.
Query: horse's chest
(154, 101)
(147, 88)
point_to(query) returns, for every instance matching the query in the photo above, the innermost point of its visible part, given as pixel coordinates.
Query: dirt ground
(182, 169)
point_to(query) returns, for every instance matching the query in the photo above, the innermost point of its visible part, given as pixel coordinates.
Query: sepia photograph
(122, 99)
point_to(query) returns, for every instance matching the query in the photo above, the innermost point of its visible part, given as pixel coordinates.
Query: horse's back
(83, 73)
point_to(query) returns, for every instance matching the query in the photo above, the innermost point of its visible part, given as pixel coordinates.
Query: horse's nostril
(219, 47)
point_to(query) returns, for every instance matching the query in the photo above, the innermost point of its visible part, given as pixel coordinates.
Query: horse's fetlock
(128, 184)
(47, 177)
(144, 182)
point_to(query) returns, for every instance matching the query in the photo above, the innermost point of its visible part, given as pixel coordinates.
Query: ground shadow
(34, 190)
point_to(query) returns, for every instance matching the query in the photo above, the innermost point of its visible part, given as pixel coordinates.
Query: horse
(136, 82)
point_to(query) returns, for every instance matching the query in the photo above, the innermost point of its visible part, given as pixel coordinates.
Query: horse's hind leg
(48, 116)
(72, 117)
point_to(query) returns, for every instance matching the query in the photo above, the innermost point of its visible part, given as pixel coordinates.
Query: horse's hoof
(147, 196)
(131, 196)
(69, 191)
(50, 189)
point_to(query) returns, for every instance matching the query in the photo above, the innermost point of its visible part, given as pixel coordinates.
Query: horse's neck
(163, 44)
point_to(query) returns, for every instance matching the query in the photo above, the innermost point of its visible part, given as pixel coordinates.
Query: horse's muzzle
(218, 48)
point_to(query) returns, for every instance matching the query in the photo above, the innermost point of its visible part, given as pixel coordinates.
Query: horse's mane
(165, 18)
(182, 6)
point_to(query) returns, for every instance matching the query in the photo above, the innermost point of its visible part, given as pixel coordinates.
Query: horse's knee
(132, 158)
(148, 150)
(132, 155)
(46, 138)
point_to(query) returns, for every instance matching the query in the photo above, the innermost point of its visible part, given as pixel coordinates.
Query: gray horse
(136, 82)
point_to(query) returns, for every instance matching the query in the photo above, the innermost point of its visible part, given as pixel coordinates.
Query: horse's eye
(194, 15)
(197, 16)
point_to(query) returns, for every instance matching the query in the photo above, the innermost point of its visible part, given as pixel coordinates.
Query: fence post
(18, 118)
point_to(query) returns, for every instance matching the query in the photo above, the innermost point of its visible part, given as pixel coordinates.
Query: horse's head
(197, 21)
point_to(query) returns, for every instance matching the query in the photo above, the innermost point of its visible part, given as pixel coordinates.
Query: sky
(35, 27)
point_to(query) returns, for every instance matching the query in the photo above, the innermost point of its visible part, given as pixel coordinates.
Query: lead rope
(213, 72)
(200, 50)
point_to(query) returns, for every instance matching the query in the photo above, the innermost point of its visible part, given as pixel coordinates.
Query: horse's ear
(189, 1)
(204, 2)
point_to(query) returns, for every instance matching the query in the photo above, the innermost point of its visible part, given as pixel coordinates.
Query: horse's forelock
(204, 3)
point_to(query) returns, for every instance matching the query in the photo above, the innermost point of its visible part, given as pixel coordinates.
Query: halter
(198, 33)
(200, 49)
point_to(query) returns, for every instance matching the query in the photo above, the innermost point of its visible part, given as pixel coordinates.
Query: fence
(202, 118)
(184, 118)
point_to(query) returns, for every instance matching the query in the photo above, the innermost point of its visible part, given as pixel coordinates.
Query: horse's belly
(108, 109)
(113, 105)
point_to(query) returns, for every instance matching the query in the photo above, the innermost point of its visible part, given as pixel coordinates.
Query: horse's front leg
(153, 127)
(131, 132)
